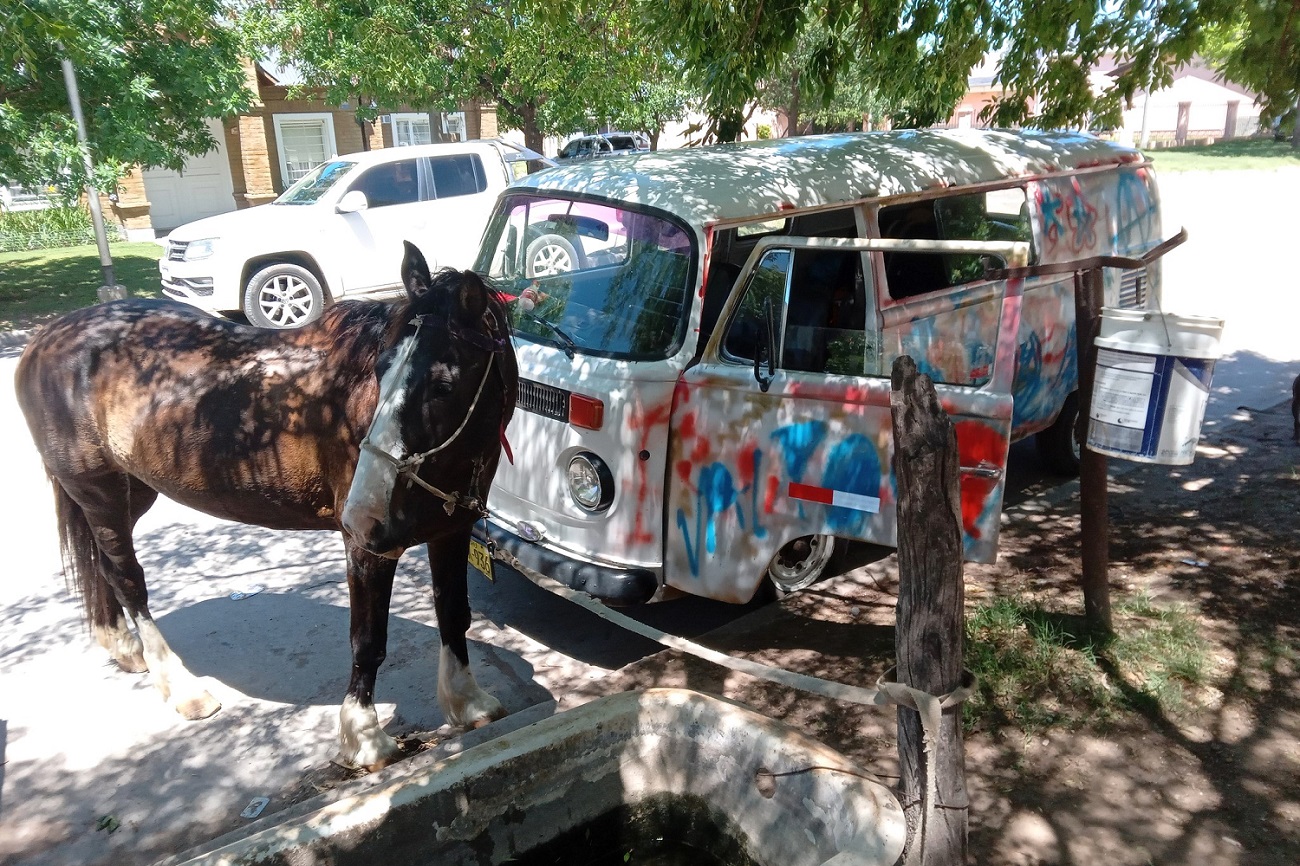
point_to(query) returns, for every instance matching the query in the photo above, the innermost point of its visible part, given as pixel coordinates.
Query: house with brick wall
(259, 154)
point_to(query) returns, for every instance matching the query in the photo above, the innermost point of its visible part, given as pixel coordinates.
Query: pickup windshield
(315, 183)
(591, 277)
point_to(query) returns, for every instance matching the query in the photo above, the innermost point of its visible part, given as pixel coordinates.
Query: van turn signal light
(586, 412)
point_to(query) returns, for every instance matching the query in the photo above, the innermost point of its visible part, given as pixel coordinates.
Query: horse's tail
(81, 560)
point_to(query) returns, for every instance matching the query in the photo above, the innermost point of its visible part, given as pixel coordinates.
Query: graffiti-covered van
(705, 338)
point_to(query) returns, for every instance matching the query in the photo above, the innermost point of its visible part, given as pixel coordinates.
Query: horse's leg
(362, 742)
(103, 611)
(111, 520)
(462, 701)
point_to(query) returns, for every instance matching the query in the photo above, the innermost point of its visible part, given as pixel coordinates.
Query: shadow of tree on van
(1214, 779)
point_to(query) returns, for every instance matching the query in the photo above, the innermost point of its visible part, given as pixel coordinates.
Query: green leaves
(150, 73)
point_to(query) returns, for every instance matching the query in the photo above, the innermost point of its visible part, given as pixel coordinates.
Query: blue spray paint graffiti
(716, 494)
(854, 467)
(1135, 223)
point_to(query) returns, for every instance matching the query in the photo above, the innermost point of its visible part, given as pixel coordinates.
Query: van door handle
(985, 469)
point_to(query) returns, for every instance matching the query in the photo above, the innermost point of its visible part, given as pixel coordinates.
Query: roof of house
(734, 181)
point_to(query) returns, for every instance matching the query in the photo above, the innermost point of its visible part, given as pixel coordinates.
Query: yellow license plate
(480, 558)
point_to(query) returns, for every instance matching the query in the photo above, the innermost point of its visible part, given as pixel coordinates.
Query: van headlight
(591, 484)
(200, 249)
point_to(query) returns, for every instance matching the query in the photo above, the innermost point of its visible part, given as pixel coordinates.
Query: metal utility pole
(110, 290)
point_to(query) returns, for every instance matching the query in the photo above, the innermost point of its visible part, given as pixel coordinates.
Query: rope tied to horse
(409, 466)
(887, 691)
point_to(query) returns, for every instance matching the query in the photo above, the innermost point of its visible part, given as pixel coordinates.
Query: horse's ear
(473, 296)
(416, 278)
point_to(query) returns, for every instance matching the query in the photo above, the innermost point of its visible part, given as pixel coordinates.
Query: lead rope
(887, 691)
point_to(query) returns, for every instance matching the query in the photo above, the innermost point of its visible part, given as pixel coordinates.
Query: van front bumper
(616, 587)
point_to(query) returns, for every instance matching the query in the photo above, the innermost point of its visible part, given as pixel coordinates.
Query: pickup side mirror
(766, 348)
(353, 201)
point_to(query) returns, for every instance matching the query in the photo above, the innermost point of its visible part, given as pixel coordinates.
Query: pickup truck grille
(543, 400)
(176, 250)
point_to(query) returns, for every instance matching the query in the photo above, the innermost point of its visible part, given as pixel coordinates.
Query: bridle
(409, 467)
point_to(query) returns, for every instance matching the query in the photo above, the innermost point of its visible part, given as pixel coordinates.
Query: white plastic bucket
(1152, 384)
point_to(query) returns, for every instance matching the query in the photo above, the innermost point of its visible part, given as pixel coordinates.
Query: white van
(705, 338)
(337, 232)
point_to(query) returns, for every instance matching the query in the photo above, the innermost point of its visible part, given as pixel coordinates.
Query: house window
(453, 126)
(411, 129)
(304, 142)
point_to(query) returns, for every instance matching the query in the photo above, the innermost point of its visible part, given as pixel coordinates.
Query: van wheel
(549, 254)
(283, 296)
(801, 563)
(1058, 446)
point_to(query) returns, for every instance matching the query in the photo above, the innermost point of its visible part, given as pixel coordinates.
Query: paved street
(80, 739)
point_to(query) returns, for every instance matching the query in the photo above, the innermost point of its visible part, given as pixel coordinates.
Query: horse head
(447, 380)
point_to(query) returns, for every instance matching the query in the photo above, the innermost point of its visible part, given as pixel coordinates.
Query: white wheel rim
(285, 300)
(802, 574)
(551, 259)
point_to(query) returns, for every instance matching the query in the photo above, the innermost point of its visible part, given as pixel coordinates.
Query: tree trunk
(792, 121)
(931, 608)
(533, 138)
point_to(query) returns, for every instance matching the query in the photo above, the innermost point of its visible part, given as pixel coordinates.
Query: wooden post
(1094, 520)
(931, 599)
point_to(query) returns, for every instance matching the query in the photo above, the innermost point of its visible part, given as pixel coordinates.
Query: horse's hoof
(198, 707)
(497, 712)
(132, 664)
(376, 751)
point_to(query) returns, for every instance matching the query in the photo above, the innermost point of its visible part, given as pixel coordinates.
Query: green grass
(1226, 155)
(1039, 670)
(38, 285)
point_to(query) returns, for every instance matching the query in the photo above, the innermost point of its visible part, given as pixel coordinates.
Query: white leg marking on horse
(179, 687)
(123, 645)
(461, 699)
(362, 742)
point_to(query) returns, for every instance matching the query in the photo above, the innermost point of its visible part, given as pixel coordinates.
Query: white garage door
(204, 188)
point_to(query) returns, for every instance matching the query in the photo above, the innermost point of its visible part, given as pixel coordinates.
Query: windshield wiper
(566, 342)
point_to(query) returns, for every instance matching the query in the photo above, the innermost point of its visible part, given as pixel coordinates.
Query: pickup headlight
(200, 249)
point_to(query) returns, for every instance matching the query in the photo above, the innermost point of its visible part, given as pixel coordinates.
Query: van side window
(391, 183)
(818, 300)
(461, 174)
(999, 215)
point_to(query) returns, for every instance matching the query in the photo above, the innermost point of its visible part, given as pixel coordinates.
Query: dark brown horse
(383, 421)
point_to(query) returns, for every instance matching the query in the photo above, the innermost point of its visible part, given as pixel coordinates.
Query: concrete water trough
(778, 797)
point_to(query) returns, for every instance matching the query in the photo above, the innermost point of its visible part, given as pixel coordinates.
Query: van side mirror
(766, 349)
(353, 200)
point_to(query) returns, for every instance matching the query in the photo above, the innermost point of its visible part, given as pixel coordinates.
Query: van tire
(1058, 445)
(283, 296)
(800, 564)
(548, 255)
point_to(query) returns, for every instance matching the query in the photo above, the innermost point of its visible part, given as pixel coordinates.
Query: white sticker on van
(838, 498)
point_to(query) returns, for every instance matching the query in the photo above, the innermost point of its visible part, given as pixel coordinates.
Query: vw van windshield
(591, 277)
(311, 186)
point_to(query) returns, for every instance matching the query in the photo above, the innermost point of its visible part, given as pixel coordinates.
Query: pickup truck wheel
(549, 254)
(801, 563)
(283, 296)
(1058, 445)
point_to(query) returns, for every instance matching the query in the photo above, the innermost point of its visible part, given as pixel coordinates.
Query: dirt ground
(1218, 784)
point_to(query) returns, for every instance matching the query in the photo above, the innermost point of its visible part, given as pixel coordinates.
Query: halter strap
(409, 467)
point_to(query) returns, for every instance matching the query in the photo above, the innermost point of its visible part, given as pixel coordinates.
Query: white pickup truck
(338, 231)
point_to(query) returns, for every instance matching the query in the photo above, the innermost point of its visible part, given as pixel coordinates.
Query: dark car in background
(603, 144)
